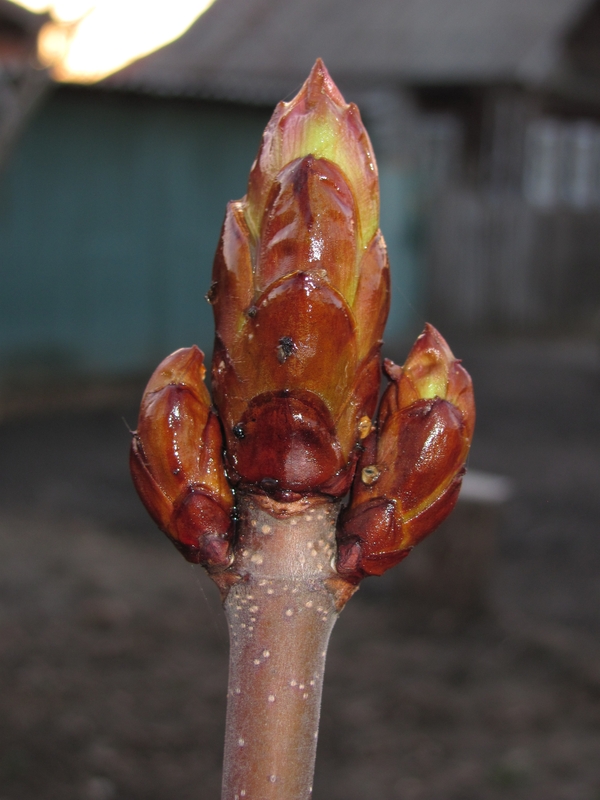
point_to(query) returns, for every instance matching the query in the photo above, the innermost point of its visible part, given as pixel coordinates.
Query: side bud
(410, 472)
(176, 461)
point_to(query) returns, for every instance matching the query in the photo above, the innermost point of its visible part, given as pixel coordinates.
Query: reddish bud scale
(301, 294)
(409, 475)
(176, 460)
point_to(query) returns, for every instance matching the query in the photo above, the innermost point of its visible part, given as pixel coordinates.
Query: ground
(113, 650)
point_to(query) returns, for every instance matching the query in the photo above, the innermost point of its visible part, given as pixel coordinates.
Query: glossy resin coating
(300, 295)
(176, 460)
(410, 472)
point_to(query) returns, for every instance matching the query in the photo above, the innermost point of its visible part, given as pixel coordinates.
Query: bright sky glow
(110, 33)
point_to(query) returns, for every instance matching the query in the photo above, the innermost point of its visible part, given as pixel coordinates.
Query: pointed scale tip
(428, 364)
(319, 83)
(184, 367)
(317, 122)
(432, 339)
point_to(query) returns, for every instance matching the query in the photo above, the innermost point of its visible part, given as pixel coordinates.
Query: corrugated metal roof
(262, 49)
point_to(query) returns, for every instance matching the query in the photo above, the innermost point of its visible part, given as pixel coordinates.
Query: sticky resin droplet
(241, 742)
(370, 474)
(364, 427)
(271, 698)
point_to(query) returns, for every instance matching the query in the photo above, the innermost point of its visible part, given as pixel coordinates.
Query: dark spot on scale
(238, 431)
(269, 484)
(252, 311)
(285, 348)
(211, 295)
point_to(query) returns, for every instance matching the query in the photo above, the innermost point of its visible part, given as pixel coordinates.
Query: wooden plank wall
(497, 263)
(109, 217)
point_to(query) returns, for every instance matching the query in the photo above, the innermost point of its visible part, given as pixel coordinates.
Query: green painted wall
(109, 217)
(110, 214)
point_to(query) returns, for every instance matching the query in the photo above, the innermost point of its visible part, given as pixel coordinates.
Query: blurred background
(473, 670)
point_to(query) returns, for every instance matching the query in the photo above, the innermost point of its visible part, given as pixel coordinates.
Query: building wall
(499, 263)
(517, 248)
(110, 213)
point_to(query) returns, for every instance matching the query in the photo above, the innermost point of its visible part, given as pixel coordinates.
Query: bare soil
(113, 650)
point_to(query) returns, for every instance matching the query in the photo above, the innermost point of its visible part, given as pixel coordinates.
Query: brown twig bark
(281, 608)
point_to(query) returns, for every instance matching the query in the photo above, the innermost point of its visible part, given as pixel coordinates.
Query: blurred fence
(514, 237)
(498, 262)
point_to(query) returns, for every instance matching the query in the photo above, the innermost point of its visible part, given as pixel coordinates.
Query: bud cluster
(300, 294)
